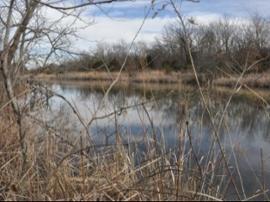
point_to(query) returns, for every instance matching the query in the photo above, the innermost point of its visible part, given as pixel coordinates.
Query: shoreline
(159, 77)
(253, 80)
(257, 95)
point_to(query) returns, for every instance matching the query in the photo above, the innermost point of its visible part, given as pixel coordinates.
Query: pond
(138, 112)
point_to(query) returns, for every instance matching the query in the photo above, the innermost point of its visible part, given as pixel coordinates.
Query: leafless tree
(24, 29)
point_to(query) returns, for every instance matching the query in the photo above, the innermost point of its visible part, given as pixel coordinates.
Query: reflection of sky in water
(87, 106)
(242, 121)
(246, 127)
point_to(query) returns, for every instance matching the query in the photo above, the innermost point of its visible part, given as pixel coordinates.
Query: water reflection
(245, 128)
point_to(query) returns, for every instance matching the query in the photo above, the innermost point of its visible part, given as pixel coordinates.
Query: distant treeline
(223, 46)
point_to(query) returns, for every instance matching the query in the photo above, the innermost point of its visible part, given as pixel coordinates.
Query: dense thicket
(223, 46)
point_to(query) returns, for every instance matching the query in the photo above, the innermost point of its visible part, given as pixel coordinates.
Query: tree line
(222, 46)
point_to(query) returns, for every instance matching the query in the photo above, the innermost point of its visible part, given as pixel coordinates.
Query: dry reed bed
(61, 165)
(260, 80)
(153, 76)
(65, 168)
(252, 80)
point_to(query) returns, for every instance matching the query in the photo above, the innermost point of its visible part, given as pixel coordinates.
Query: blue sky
(237, 8)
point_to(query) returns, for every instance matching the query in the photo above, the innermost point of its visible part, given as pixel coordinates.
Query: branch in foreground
(89, 3)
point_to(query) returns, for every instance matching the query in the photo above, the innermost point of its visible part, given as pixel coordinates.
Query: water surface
(161, 112)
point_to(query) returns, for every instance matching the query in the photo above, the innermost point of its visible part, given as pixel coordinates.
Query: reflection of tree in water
(240, 113)
(244, 121)
(267, 130)
(251, 120)
(172, 105)
(118, 99)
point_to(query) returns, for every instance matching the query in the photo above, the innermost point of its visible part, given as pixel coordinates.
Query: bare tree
(25, 28)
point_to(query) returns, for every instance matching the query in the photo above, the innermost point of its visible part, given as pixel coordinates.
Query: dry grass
(252, 80)
(152, 76)
(260, 80)
(53, 175)
(65, 168)
(62, 165)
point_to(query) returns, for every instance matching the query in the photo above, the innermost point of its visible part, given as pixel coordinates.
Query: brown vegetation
(135, 77)
(252, 80)
(222, 46)
(39, 161)
(63, 167)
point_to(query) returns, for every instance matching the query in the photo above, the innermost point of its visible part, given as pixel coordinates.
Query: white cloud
(113, 30)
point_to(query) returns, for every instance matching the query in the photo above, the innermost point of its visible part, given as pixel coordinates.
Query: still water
(146, 110)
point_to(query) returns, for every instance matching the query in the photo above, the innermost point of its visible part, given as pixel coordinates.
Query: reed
(62, 164)
(65, 168)
(150, 76)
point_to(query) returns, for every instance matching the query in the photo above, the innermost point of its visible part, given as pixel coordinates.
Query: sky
(113, 22)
